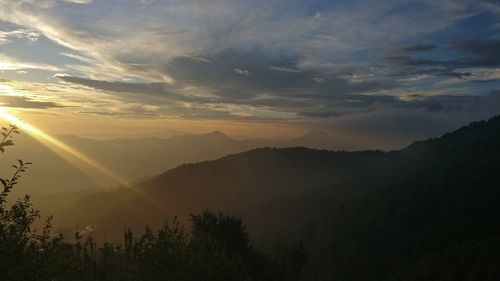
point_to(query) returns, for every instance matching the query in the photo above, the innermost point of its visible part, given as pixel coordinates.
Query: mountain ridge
(132, 159)
(388, 212)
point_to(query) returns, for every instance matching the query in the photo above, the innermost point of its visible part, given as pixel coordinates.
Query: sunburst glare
(73, 155)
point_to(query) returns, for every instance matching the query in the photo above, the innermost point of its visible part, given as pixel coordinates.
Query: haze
(218, 140)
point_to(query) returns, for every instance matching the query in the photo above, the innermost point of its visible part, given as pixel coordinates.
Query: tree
(217, 248)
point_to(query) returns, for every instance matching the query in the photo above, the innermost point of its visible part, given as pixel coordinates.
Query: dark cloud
(469, 53)
(404, 60)
(25, 102)
(157, 89)
(443, 103)
(136, 113)
(266, 76)
(481, 48)
(275, 80)
(418, 48)
(459, 75)
(220, 73)
(477, 53)
(389, 127)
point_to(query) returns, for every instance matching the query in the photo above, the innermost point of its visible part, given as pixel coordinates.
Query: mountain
(426, 212)
(131, 159)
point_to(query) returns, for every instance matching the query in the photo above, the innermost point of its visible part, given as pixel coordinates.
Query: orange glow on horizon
(62, 148)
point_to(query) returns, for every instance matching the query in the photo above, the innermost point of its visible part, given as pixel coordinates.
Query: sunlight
(59, 146)
(8, 90)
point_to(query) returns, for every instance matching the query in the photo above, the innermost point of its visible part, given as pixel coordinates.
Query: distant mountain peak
(216, 133)
(215, 136)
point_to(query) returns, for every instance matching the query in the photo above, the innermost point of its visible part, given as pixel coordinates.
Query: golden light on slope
(62, 148)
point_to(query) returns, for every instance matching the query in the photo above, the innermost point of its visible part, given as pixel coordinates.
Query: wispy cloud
(243, 72)
(322, 60)
(9, 63)
(7, 36)
(25, 102)
(78, 1)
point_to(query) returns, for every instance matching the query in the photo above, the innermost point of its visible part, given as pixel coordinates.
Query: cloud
(418, 48)
(284, 69)
(239, 98)
(7, 36)
(261, 78)
(153, 89)
(413, 78)
(444, 103)
(470, 59)
(321, 114)
(395, 127)
(239, 58)
(138, 43)
(9, 63)
(80, 58)
(243, 72)
(78, 1)
(212, 81)
(478, 74)
(491, 7)
(480, 52)
(25, 102)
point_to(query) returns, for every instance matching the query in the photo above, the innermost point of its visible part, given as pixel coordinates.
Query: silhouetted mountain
(426, 212)
(131, 159)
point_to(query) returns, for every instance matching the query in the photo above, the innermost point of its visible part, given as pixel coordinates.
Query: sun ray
(60, 146)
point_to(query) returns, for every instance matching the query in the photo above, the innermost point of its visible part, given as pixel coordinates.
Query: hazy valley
(378, 201)
(243, 140)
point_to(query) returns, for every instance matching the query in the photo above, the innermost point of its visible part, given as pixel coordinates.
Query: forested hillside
(427, 212)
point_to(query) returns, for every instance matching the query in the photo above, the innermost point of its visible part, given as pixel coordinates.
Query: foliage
(427, 212)
(7, 137)
(216, 248)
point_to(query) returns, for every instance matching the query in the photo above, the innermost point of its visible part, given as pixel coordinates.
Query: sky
(388, 70)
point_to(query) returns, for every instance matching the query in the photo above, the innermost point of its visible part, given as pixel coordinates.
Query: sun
(73, 155)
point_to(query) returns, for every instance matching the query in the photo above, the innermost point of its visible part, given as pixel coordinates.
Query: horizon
(222, 140)
(100, 69)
